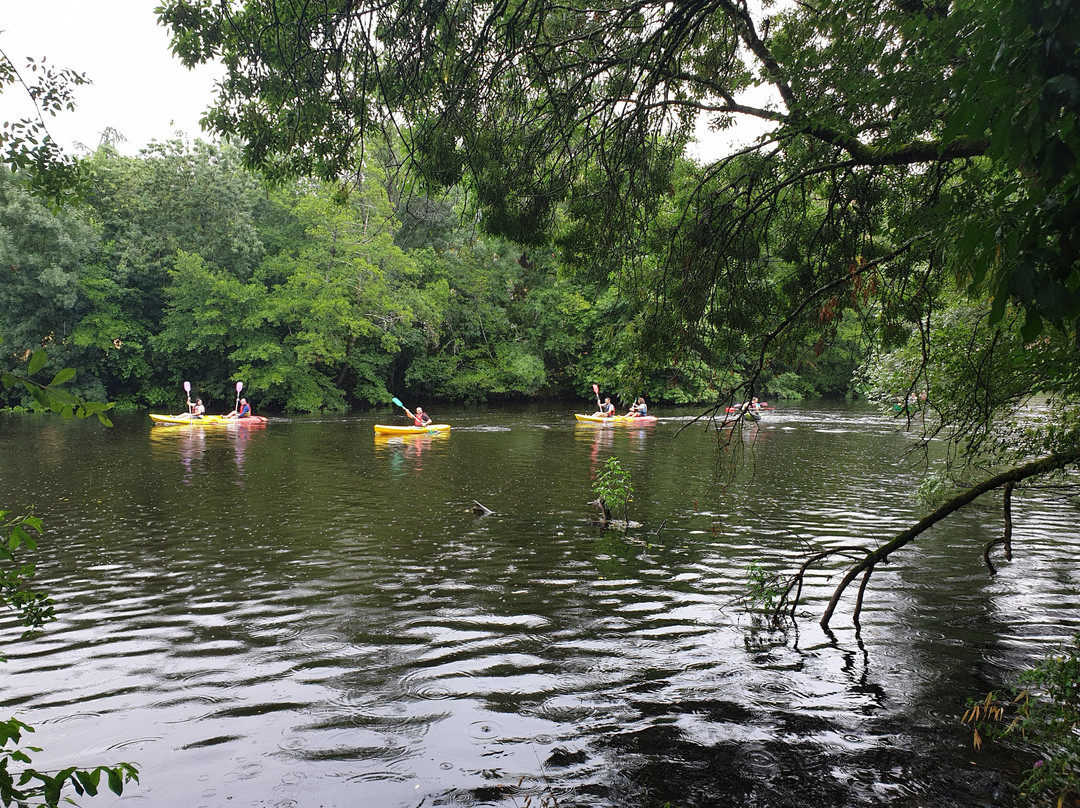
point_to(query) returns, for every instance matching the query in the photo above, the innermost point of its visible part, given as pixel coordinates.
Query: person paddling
(196, 410)
(420, 418)
(607, 409)
(243, 410)
(639, 409)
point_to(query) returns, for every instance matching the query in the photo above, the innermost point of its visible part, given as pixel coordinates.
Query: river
(303, 614)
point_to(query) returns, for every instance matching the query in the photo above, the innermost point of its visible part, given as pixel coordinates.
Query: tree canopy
(912, 144)
(918, 178)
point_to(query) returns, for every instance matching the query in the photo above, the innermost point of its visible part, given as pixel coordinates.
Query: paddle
(596, 389)
(239, 387)
(187, 394)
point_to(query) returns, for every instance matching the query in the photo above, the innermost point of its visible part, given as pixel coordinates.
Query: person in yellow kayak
(196, 410)
(420, 418)
(639, 409)
(607, 409)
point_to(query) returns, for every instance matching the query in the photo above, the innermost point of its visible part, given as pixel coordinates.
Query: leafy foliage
(1045, 716)
(17, 533)
(764, 588)
(52, 396)
(1019, 88)
(614, 486)
(25, 144)
(28, 785)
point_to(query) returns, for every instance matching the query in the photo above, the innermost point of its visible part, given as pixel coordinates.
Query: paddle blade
(397, 401)
(596, 389)
(187, 387)
(239, 387)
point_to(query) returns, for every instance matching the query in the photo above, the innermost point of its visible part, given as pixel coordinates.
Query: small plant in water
(614, 487)
(1045, 713)
(764, 587)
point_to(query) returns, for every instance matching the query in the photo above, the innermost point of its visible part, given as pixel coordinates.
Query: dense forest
(480, 201)
(179, 264)
(485, 200)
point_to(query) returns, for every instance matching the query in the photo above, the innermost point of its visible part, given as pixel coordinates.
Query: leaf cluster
(27, 785)
(1043, 715)
(25, 144)
(614, 486)
(51, 395)
(16, 538)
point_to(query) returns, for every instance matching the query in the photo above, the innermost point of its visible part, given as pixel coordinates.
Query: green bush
(614, 486)
(1044, 714)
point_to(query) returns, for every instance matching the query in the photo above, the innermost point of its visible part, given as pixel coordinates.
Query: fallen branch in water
(869, 558)
(1005, 539)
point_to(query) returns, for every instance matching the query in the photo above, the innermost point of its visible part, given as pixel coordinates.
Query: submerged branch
(868, 558)
(1006, 536)
(881, 555)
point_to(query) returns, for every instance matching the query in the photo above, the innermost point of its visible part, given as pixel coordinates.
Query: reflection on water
(306, 614)
(404, 454)
(188, 444)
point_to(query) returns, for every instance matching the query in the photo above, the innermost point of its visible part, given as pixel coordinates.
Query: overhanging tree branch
(866, 565)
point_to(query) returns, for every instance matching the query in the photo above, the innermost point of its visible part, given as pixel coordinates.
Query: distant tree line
(180, 265)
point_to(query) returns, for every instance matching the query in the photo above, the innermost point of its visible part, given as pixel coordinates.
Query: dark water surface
(306, 615)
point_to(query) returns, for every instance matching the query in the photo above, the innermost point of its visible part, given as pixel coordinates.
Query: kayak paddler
(607, 409)
(243, 410)
(420, 418)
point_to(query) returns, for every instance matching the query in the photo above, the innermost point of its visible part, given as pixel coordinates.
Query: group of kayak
(638, 413)
(196, 412)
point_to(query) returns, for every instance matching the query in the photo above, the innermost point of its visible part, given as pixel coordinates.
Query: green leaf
(62, 397)
(38, 394)
(37, 362)
(1032, 327)
(18, 535)
(89, 780)
(64, 375)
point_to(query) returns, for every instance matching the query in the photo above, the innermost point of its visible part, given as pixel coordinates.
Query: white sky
(138, 88)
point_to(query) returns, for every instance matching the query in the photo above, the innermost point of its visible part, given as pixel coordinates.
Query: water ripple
(335, 626)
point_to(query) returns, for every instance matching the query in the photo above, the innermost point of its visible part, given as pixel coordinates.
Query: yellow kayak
(617, 419)
(430, 429)
(206, 420)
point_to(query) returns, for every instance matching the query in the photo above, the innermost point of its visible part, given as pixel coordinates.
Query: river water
(304, 614)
